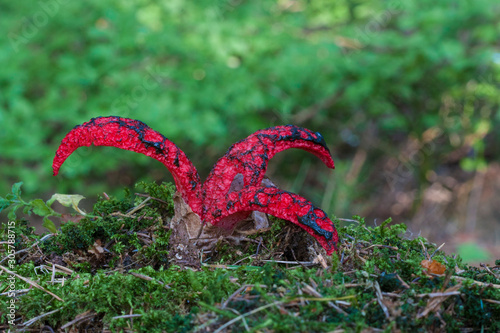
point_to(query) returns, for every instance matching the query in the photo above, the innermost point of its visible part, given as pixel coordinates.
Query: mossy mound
(109, 270)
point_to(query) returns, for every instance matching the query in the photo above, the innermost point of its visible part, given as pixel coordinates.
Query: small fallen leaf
(97, 249)
(72, 218)
(433, 267)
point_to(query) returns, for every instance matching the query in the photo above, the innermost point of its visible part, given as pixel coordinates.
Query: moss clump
(111, 271)
(123, 227)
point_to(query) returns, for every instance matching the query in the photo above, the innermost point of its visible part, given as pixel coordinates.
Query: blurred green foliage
(472, 252)
(364, 73)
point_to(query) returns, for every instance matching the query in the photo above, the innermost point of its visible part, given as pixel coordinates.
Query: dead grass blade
(34, 284)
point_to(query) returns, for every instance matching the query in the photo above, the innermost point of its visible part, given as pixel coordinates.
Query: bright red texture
(213, 200)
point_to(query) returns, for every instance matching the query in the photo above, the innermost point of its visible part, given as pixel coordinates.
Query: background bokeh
(406, 94)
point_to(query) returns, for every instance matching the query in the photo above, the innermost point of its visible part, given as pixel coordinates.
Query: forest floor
(110, 270)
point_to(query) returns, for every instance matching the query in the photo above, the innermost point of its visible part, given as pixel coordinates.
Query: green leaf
(40, 208)
(12, 213)
(49, 225)
(68, 200)
(16, 189)
(4, 203)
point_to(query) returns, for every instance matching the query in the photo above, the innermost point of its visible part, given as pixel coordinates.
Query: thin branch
(232, 321)
(20, 291)
(439, 248)
(313, 292)
(443, 294)
(243, 287)
(61, 269)
(34, 320)
(380, 299)
(347, 220)
(479, 283)
(128, 316)
(28, 248)
(147, 196)
(302, 263)
(425, 250)
(147, 278)
(34, 284)
(79, 319)
(491, 301)
(140, 206)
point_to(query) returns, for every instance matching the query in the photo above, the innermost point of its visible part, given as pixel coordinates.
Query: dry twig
(28, 248)
(147, 278)
(34, 320)
(232, 321)
(311, 291)
(437, 299)
(34, 284)
(83, 317)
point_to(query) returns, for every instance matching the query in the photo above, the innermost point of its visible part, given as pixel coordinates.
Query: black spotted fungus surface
(213, 200)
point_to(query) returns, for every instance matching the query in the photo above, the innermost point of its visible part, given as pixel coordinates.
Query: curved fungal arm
(250, 157)
(279, 203)
(134, 135)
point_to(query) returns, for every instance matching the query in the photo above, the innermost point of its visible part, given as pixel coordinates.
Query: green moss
(133, 276)
(116, 222)
(20, 232)
(163, 192)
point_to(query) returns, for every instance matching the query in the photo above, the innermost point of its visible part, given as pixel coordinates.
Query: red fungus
(135, 136)
(249, 157)
(216, 201)
(279, 203)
